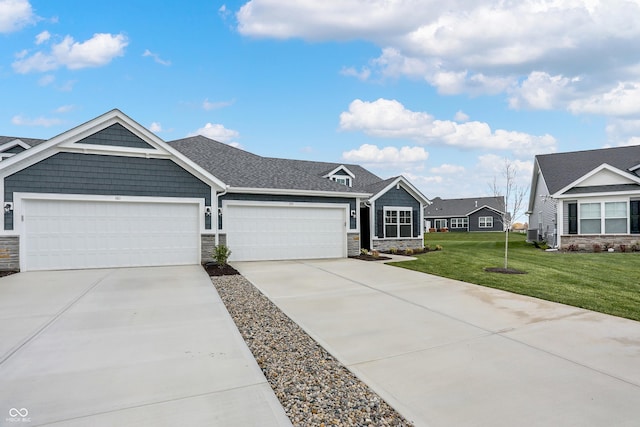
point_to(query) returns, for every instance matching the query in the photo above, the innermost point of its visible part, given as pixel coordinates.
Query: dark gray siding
(474, 220)
(397, 197)
(15, 150)
(295, 199)
(74, 173)
(115, 135)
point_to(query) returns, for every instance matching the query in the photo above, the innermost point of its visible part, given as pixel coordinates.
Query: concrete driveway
(135, 346)
(447, 353)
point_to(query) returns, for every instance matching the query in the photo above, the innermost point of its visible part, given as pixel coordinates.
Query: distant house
(471, 214)
(585, 197)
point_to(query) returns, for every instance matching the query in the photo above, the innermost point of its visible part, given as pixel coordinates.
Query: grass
(604, 282)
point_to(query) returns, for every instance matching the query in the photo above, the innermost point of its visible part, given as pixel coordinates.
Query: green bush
(221, 254)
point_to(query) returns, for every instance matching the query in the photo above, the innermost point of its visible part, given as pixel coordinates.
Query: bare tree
(511, 201)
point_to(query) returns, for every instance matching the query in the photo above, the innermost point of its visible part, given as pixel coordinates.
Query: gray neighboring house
(110, 193)
(468, 214)
(585, 197)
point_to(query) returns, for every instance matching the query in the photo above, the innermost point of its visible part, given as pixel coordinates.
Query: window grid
(485, 222)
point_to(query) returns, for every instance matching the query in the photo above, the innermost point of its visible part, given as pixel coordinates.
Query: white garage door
(285, 232)
(61, 234)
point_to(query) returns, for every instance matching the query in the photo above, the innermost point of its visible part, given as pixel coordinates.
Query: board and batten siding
(397, 197)
(75, 173)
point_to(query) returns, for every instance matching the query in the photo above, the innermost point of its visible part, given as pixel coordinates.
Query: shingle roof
(561, 169)
(461, 207)
(239, 168)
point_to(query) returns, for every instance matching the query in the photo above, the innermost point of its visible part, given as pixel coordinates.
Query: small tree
(511, 197)
(221, 254)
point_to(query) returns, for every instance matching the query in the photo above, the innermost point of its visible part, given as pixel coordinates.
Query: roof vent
(476, 203)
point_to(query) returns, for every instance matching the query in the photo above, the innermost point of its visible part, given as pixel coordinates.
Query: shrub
(438, 248)
(375, 254)
(393, 251)
(572, 247)
(597, 247)
(623, 248)
(427, 248)
(408, 251)
(607, 246)
(635, 248)
(364, 251)
(221, 254)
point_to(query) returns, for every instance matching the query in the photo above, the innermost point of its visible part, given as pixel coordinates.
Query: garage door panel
(285, 232)
(63, 234)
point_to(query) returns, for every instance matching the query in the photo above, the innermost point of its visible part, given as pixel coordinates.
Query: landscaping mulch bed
(7, 273)
(214, 269)
(503, 270)
(370, 257)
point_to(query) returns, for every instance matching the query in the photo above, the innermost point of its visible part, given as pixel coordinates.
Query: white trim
(402, 181)
(398, 224)
(253, 203)
(13, 143)
(485, 218)
(113, 150)
(343, 167)
(604, 166)
(18, 210)
(292, 192)
(66, 140)
(499, 212)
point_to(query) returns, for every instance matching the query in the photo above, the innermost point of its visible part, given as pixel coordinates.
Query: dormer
(341, 175)
(12, 148)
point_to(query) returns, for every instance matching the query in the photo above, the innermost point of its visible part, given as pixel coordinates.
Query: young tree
(512, 200)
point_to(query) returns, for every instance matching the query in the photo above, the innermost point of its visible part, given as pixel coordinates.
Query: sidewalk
(447, 353)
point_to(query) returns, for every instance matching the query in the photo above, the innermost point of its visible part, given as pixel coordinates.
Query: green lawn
(604, 282)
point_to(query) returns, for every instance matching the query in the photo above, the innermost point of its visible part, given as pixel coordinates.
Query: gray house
(585, 197)
(470, 214)
(110, 193)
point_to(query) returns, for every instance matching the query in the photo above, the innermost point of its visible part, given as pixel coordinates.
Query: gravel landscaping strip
(312, 386)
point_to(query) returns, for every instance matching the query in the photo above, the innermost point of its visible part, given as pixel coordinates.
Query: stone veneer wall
(402, 244)
(9, 253)
(207, 243)
(353, 244)
(585, 243)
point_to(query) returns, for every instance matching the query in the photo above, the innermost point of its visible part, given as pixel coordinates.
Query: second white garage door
(272, 232)
(73, 234)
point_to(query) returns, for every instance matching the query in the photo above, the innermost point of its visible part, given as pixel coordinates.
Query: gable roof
(561, 169)
(29, 141)
(243, 170)
(462, 207)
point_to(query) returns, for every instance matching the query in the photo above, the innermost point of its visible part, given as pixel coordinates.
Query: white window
(485, 222)
(344, 180)
(590, 218)
(440, 223)
(614, 221)
(615, 218)
(459, 222)
(398, 222)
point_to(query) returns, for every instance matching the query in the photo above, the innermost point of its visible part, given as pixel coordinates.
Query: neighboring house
(109, 193)
(470, 214)
(585, 197)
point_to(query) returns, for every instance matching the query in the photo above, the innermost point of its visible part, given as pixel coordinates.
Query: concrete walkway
(447, 353)
(135, 346)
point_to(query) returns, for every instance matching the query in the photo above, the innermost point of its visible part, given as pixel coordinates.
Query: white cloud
(95, 52)
(63, 109)
(363, 74)
(217, 132)
(390, 119)
(39, 121)
(46, 80)
(447, 169)
(43, 37)
(15, 15)
(207, 105)
(551, 54)
(155, 127)
(461, 116)
(156, 58)
(387, 157)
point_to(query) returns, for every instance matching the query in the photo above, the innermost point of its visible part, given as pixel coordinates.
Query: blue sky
(441, 92)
